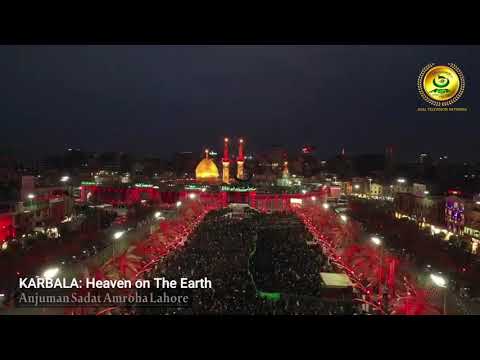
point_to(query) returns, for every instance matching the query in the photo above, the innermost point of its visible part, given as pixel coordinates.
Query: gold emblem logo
(441, 85)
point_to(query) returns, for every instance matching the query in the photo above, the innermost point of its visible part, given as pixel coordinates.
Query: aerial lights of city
(247, 213)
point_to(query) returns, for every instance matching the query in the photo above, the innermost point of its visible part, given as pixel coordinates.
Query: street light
(304, 191)
(31, 197)
(441, 282)
(344, 218)
(326, 206)
(438, 280)
(314, 198)
(157, 215)
(51, 273)
(192, 196)
(179, 203)
(64, 178)
(376, 240)
(356, 186)
(401, 180)
(118, 235)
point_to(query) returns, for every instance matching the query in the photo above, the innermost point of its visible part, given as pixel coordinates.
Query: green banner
(275, 296)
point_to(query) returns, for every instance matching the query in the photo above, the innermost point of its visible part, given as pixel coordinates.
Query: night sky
(162, 99)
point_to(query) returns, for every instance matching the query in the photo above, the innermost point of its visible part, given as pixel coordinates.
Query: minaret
(285, 169)
(240, 159)
(226, 163)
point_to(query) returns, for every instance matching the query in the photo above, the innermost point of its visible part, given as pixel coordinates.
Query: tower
(240, 159)
(389, 163)
(226, 163)
(285, 171)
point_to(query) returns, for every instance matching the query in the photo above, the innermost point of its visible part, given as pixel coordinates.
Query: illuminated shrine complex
(206, 170)
(208, 186)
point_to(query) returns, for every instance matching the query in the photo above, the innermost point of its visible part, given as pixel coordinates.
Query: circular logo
(441, 85)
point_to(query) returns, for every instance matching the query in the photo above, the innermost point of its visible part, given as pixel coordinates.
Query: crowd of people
(244, 257)
(283, 260)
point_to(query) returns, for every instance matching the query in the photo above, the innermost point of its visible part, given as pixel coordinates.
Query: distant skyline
(163, 99)
(233, 153)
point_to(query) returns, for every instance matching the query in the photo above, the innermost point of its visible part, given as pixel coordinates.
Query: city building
(286, 180)
(425, 210)
(7, 227)
(376, 189)
(184, 163)
(400, 185)
(454, 214)
(347, 187)
(360, 185)
(42, 205)
(307, 164)
(419, 189)
(114, 161)
(342, 165)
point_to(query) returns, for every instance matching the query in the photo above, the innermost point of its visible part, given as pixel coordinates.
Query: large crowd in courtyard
(245, 257)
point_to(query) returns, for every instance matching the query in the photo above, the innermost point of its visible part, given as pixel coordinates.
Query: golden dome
(206, 170)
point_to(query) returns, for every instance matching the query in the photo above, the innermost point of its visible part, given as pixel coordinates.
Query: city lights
(155, 198)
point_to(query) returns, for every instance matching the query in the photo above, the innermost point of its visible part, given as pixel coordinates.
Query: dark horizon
(167, 99)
